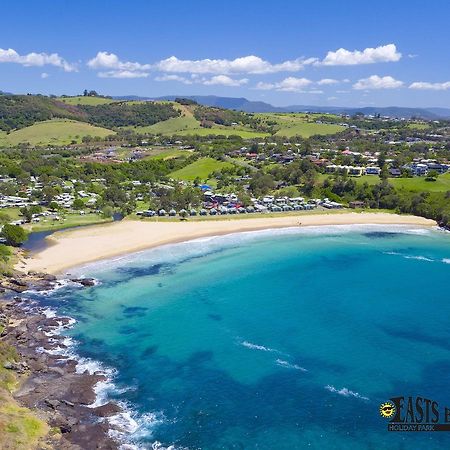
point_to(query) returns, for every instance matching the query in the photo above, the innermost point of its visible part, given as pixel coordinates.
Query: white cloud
(36, 59)
(44, 75)
(224, 80)
(246, 64)
(327, 81)
(117, 68)
(424, 85)
(332, 98)
(123, 74)
(167, 77)
(343, 57)
(289, 84)
(376, 82)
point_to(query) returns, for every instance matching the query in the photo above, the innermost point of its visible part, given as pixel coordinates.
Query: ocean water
(271, 340)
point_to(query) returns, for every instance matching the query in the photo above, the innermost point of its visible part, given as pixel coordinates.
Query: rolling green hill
(20, 111)
(299, 124)
(86, 100)
(53, 132)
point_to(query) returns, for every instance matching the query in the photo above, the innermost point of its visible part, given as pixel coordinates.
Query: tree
(432, 175)
(262, 183)
(107, 212)
(78, 204)
(15, 235)
(53, 205)
(29, 212)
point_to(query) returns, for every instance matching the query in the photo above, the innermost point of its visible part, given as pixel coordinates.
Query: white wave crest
(288, 365)
(262, 348)
(446, 260)
(345, 392)
(416, 257)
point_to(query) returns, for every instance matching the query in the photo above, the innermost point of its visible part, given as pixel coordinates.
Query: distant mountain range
(243, 104)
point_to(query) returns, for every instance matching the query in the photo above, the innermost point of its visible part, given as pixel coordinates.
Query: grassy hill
(201, 168)
(20, 111)
(53, 132)
(300, 124)
(224, 131)
(86, 100)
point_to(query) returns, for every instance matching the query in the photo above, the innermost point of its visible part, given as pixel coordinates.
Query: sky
(347, 53)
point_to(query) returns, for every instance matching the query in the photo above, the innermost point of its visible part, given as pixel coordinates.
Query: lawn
(171, 126)
(55, 132)
(13, 213)
(170, 154)
(201, 168)
(300, 124)
(307, 129)
(415, 184)
(68, 221)
(418, 126)
(226, 131)
(82, 100)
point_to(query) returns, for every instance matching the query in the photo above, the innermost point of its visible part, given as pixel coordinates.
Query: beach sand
(80, 246)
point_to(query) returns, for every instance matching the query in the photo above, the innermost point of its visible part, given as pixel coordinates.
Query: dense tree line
(19, 111)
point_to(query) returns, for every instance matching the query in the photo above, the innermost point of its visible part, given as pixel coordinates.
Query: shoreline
(54, 383)
(78, 247)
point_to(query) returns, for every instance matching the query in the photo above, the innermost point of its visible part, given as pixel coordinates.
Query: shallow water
(283, 339)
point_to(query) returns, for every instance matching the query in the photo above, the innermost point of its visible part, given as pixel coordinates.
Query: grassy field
(67, 221)
(225, 131)
(415, 184)
(170, 154)
(299, 124)
(307, 130)
(56, 132)
(82, 100)
(171, 126)
(418, 126)
(202, 168)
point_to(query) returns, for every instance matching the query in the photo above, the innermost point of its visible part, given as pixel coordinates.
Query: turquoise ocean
(281, 339)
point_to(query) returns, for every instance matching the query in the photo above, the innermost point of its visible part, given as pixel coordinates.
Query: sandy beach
(80, 246)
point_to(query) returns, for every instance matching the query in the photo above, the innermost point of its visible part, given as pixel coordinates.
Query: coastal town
(224, 226)
(270, 175)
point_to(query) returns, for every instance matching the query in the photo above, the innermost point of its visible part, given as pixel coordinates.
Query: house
(395, 172)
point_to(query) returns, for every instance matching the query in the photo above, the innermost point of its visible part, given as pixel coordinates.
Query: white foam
(446, 260)
(345, 392)
(128, 426)
(288, 365)
(416, 257)
(262, 348)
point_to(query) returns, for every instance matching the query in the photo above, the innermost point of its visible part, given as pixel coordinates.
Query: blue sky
(283, 52)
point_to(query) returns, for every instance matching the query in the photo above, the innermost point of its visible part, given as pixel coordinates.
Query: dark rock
(110, 409)
(49, 277)
(84, 281)
(18, 282)
(52, 403)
